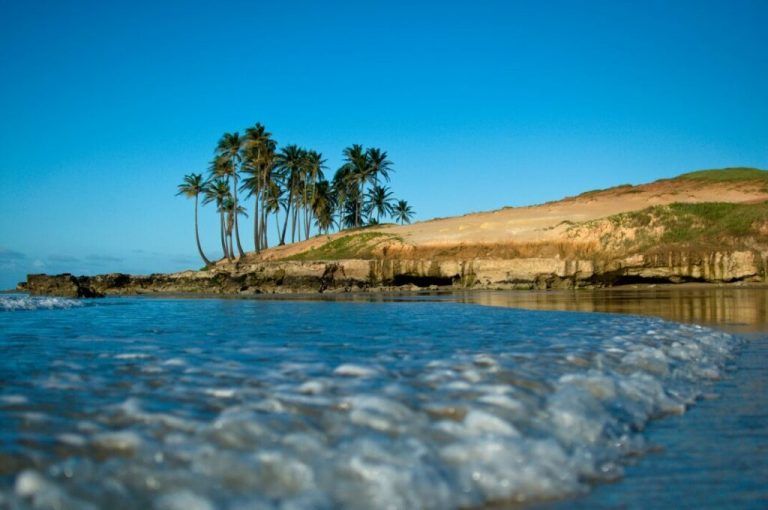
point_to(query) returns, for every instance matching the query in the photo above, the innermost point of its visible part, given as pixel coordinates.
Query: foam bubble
(12, 303)
(352, 370)
(250, 418)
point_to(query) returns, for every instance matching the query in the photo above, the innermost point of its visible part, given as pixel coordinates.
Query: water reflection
(735, 309)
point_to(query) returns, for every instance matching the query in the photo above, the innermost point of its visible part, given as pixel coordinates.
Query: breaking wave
(303, 405)
(13, 303)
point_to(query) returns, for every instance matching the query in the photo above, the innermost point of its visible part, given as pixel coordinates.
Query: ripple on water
(250, 417)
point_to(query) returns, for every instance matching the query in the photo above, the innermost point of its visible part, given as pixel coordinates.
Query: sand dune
(549, 222)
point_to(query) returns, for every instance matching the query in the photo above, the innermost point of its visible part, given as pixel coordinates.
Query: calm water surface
(241, 404)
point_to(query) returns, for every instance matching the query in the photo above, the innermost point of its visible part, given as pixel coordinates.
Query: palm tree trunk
(359, 213)
(287, 214)
(299, 220)
(277, 224)
(263, 220)
(223, 238)
(256, 219)
(197, 238)
(306, 210)
(234, 199)
(262, 212)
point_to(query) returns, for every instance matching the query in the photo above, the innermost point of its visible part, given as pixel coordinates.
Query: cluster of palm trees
(290, 182)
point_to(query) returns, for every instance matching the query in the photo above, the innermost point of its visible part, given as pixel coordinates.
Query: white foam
(29, 483)
(132, 355)
(481, 422)
(352, 370)
(12, 303)
(13, 399)
(442, 426)
(311, 387)
(220, 392)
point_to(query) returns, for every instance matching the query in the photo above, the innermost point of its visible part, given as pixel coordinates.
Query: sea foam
(13, 303)
(531, 406)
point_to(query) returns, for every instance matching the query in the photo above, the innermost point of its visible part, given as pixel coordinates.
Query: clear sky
(105, 105)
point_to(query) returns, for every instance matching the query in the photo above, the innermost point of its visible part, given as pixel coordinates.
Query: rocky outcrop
(358, 275)
(64, 285)
(676, 266)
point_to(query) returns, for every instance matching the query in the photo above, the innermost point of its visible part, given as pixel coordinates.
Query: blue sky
(104, 106)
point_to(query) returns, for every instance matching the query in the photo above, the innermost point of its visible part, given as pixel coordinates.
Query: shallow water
(716, 454)
(196, 404)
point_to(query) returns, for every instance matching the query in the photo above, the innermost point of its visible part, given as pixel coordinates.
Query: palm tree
(380, 165)
(228, 206)
(273, 201)
(258, 164)
(221, 171)
(258, 161)
(229, 151)
(344, 192)
(218, 191)
(402, 212)
(289, 164)
(192, 186)
(359, 172)
(251, 185)
(314, 173)
(323, 205)
(379, 201)
(349, 214)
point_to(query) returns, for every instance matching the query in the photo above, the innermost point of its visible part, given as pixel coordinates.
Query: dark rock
(64, 285)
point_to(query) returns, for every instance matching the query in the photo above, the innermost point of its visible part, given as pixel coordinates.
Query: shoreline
(737, 307)
(386, 275)
(437, 290)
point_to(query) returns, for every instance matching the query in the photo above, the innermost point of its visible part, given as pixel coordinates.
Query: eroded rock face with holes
(381, 275)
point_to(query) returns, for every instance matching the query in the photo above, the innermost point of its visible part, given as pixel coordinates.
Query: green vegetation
(290, 181)
(708, 223)
(624, 188)
(736, 174)
(355, 246)
(727, 175)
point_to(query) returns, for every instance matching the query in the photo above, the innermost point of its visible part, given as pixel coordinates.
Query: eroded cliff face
(361, 275)
(708, 226)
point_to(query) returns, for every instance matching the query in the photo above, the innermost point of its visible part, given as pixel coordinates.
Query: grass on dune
(727, 175)
(736, 174)
(621, 188)
(353, 246)
(701, 223)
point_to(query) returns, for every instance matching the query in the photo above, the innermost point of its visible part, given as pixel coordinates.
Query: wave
(500, 407)
(13, 304)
